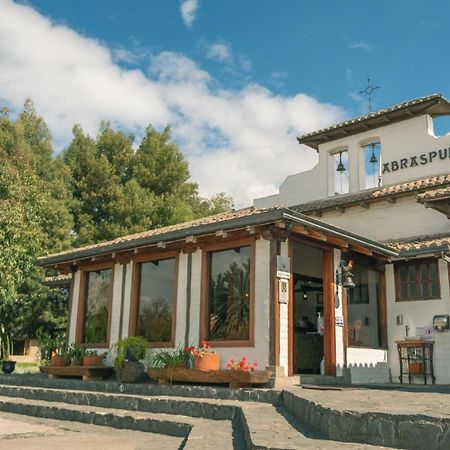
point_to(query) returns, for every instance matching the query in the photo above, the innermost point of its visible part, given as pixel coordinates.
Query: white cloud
(188, 9)
(238, 141)
(219, 51)
(360, 45)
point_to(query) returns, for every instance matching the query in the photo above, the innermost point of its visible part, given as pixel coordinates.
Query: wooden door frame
(329, 343)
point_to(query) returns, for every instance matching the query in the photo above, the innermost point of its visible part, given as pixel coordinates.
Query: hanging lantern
(340, 167)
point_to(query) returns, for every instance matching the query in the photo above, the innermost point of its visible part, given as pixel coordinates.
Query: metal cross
(368, 91)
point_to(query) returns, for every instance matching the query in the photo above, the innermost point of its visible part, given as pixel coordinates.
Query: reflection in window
(156, 295)
(363, 306)
(96, 311)
(229, 294)
(372, 165)
(417, 280)
(340, 170)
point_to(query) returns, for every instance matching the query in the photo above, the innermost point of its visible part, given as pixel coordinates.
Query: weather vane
(368, 91)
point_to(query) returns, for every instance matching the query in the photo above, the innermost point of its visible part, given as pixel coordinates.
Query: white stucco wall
(390, 221)
(411, 137)
(127, 300)
(180, 318)
(196, 288)
(74, 311)
(419, 314)
(116, 304)
(284, 322)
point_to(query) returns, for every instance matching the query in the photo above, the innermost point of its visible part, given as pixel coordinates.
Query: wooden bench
(234, 378)
(88, 373)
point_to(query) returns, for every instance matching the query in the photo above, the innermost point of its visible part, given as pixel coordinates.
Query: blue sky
(238, 80)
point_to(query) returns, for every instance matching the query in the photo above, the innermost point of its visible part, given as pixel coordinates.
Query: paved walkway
(31, 433)
(388, 401)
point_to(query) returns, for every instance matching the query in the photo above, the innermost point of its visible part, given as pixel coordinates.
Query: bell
(373, 159)
(340, 167)
(348, 282)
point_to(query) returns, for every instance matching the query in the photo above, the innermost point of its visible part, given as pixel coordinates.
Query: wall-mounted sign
(283, 267)
(283, 291)
(339, 321)
(417, 160)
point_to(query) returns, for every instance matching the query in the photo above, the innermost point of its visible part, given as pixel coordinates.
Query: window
(95, 306)
(364, 305)
(340, 171)
(153, 315)
(417, 280)
(228, 307)
(372, 165)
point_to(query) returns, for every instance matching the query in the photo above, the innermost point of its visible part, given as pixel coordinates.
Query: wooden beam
(390, 199)
(296, 228)
(280, 224)
(221, 233)
(317, 213)
(250, 229)
(365, 205)
(162, 244)
(317, 235)
(191, 239)
(336, 241)
(361, 249)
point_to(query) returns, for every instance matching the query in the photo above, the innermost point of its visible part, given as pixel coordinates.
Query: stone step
(252, 424)
(320, 380)
(198, 433)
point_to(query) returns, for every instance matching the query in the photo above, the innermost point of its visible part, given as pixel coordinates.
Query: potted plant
(92, 358)
(76, 354)
(169, 358)
(242, 365)
(205, 358)
(7, 364)
(128, 353)
(59, 352)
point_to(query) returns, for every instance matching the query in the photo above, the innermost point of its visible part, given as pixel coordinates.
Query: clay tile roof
(414, 185)
(222, 217)
(435, 194)
(434, 105)
(375, 193)
(421, 243)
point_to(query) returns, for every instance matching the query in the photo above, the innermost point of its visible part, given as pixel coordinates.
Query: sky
(237, 80)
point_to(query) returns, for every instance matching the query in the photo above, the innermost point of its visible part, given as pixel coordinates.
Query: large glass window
(96, 307)
(417, 280)
(363, 305)
(229, 294)
(156, 300)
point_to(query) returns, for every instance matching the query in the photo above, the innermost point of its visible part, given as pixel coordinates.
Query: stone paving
(19, 432)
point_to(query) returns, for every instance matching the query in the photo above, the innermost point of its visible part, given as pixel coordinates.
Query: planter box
(88, 373)
(234, 378)
(415, 368)
(209, 361)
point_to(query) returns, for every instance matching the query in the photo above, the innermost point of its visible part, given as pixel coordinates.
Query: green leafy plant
(168, 358)
(132, 348)
(76, 352)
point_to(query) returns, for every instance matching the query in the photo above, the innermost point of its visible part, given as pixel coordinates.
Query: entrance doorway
(308, 323)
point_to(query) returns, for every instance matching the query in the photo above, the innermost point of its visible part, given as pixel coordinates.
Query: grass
(26, 367)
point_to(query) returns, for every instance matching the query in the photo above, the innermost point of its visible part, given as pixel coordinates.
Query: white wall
(284, 321)
(419, 314)
(400, 140)
(389, 221)
(74, 311)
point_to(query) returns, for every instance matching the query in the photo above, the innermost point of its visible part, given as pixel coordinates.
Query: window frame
(135, 291)
(416, 263)
(82, 298)
(204, 297)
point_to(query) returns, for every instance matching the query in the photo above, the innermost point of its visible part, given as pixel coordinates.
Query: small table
(416, 359)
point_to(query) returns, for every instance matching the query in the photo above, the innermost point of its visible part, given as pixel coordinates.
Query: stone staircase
(205, 417)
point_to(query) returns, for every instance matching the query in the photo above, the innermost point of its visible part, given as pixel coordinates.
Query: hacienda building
(267, 282)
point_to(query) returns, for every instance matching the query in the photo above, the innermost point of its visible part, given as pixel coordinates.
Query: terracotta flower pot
(57, 361)
(92, 360)
(209, 361)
